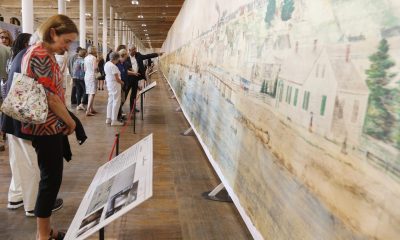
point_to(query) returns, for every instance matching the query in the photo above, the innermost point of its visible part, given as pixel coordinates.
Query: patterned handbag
(26, 101)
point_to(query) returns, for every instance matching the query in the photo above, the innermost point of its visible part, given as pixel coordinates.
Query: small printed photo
(122, 199)
(90, 221)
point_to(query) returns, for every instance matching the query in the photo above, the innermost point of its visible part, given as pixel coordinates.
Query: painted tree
(396, 110)
(263, 87)
(287, 10)
(380, 120)
(270, 14)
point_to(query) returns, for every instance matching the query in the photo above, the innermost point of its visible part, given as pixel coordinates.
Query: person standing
(90, 78)
(71, 61)
(56, 34)
(5, 55)
(25, 174)
(135, 64)
(78, 75)
(114, 86)
(102, 76)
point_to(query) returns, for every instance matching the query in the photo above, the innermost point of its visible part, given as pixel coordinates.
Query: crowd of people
(36, 151)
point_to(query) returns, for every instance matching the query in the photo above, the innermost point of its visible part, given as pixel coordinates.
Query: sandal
(60, 235)
(89, 114)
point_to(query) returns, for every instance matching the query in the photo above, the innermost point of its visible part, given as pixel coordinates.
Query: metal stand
(101, 234)
(187, 132)
(134, 116)
(101, 231)
(178, 109)
(218, 194)
(141, 104)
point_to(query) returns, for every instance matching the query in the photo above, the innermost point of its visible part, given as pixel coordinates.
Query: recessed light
(135, 2)
(146, 34)
(144, 25)
(163, 13)
(140, 16)
(145, 30)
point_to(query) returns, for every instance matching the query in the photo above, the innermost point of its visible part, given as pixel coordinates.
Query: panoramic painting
(298, 102)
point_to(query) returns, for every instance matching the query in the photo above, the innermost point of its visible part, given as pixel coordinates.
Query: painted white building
(322, 93)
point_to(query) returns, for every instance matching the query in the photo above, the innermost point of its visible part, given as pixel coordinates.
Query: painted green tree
(380, 120)
(263, 87)
(287, 10)
(270, 14)
(396, 110)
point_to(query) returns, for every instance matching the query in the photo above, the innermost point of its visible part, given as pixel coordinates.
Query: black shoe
(57, 206)
(137, 110)
(15, 205)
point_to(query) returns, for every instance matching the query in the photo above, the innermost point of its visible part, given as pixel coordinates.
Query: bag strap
(26, 60)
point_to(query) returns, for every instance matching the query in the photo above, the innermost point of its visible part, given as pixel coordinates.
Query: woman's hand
(71, 125)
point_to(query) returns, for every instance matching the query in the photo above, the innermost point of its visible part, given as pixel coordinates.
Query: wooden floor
(181, 173)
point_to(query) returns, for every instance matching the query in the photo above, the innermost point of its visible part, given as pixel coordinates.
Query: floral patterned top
(43, 68)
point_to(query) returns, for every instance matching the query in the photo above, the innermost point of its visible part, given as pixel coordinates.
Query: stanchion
(134, 116)
(218, 194)
(116, 145)
(141, 104)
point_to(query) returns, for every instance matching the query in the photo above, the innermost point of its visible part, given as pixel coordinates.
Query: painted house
(323, 92)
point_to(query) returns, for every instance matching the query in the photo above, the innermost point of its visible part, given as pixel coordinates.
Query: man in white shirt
(135, 63)
(114, 84)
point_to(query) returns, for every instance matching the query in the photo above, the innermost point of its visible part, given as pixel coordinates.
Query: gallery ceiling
(158, 15)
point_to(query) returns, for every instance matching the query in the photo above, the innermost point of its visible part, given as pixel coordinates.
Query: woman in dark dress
(102, 76)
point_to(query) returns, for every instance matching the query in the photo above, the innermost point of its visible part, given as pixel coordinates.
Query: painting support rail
(219, 194)
(187, 132)
(101, 231)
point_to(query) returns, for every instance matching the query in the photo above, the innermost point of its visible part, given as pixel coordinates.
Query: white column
(120, 32)
(27, 16)
(116, 31)
(105, 28)
(111, 26)
(123, 33)
(82, 23)
(61, 6)
(95, 24)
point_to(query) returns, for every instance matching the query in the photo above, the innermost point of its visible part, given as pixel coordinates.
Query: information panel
(118, 186)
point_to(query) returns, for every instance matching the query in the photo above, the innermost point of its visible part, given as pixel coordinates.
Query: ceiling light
(135, 2)
(140, 16)
(145, 30)
(144, 25)
(146, 34)
(88, 14)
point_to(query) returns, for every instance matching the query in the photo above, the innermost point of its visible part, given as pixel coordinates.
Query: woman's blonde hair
(10, 37)
(92, 50)
(123, 53)
(61, 25)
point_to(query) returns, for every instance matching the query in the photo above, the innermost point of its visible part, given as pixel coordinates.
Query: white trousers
(114, 101)
(25, 172)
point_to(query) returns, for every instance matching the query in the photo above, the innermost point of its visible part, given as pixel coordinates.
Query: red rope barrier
(123, 129)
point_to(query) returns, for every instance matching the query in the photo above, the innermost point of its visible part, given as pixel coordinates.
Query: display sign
(119, 186)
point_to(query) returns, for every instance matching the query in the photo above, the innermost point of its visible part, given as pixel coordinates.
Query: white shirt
(135, 67)
(110, 69)
(89, 63)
